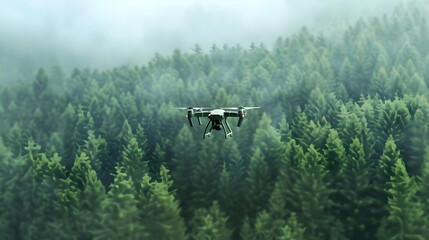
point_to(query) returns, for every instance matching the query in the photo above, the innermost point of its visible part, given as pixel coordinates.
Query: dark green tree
(405, 219)
(210, 223)
(120, 217)
(159, 209)
(134, 162)
(257, 186)
(184, 161)
(315, 213)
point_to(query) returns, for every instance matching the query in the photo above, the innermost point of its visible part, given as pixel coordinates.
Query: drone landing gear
(217, 126)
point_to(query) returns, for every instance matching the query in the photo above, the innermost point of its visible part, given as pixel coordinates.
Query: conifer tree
(405, 215)
(384, 171)
(38, 204)
(293, 229)
(393, 117)
(334, 154)
(415, 141)
(185, 160)
(205, 178)
(258, 185)
(290, 174)
(267, 139)
(231, 184)
(159, 210)
(134, 163)
(210, 223)
(423, 185)
(159, 158)
(84, 124)
(315, 213)
(314, 133)
(269, 223)
(68, 119)
(120, 215)
(81, 205)
(354, 189)
(95, 148)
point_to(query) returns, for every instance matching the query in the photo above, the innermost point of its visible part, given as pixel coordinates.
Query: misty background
(105, 34)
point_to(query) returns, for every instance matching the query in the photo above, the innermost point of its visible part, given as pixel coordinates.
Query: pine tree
(184, 161)
(378, 83)
(415, 141)
(231, 184)
(80, 204)
(120, 215)
(383, 172)
(205, 177)
(68, 119)
(159, 158)
(269, 223)
(315, 212)
(354, 190)
(309, 133)
(134, 163)
(95, 148)
(159, 210)
(36, 204)
(334, 154)
(423, 186)
(293, 229)
(267, 139)
(210, 223)
(258, 185)
(290, 174)
(393, 117)
(405, 215)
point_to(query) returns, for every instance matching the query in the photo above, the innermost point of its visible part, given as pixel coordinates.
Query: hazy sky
(106, 33)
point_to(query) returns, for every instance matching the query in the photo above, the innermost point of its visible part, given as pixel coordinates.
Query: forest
(338, 150)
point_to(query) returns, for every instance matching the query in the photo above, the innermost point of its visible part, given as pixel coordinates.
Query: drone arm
(201, 114)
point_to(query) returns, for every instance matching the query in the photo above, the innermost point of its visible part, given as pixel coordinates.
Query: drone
(217, 118)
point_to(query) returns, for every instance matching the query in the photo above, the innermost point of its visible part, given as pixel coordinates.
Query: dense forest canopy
(339, 149)
(104, 34)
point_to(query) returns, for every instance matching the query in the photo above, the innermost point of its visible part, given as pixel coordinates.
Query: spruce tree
(316, 212)
(354, 189)
(134, 162)
(184, 161)
(120, 216)
(159, 209)
(405, 219)
(231, 184)
(380, 180)
(257, 185)
(210, 223)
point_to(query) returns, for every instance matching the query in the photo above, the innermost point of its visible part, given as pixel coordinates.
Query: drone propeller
(194, 108)
(238, 108)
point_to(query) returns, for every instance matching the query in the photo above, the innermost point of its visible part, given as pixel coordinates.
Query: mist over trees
(106, 33)
(338, 150)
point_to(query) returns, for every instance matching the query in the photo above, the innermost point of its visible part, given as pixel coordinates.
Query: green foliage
(405, 218)
(332, 154)
(120, 215)
(159, 210)
(133, 162)
(257, 184)
(315, 212)
(210, 224)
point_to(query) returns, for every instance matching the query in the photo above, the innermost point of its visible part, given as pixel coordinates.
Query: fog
(108, 33)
